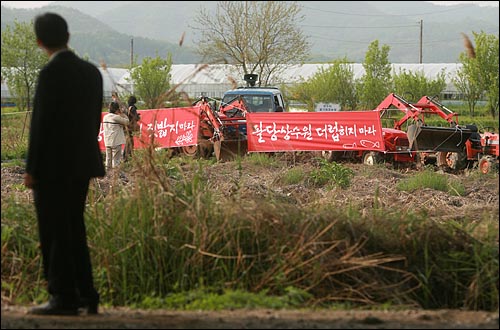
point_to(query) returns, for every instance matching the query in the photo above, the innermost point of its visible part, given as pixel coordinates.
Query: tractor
(429, 143)
(397, 145)
(481, 149)
(455, 147)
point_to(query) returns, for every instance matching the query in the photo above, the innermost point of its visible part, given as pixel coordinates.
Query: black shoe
(55, 306)
(90, 304)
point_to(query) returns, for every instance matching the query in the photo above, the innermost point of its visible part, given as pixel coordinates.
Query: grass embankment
(173, 237)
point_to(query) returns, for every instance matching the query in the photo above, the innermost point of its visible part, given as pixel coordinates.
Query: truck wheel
(452, 160)
(372, 158)
(487, 164)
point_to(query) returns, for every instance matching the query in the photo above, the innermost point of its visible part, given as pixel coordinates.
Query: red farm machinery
(223, 124)
(411, 140)
(397, 144)
(468, 146)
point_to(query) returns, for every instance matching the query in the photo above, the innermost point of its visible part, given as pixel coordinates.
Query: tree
(335, 84)
(417, 85)
(152, 80)
(260, 37)
(480, 71)
(488, 68)
(376, 84)
(22, 59)
(466, 83)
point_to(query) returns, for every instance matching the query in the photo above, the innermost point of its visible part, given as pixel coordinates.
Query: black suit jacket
(66, 120)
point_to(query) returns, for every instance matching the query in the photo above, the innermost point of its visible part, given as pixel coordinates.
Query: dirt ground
(122, 318)
(482, 196)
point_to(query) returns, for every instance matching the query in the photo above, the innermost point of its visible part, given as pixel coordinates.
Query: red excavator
(221, 132)
(223, 127)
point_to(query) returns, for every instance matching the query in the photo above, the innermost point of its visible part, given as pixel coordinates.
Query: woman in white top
(114, 138)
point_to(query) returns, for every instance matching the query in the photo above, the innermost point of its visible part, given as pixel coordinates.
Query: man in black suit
(63, 155)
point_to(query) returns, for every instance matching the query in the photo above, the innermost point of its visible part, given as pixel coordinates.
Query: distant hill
(336, 29)
(346, 28)
(101, 43)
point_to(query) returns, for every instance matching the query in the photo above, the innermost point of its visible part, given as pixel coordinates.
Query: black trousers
(129, 145)
(60, 207)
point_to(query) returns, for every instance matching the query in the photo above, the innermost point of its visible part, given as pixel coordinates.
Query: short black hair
(114, 107)
(52, 30)
(132, 100)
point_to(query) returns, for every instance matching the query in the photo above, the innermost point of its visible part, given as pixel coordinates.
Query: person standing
(115, 98)
(114, 137)
(63, 155)
(132, 127)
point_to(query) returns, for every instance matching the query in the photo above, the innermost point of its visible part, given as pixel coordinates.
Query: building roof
(196, 79)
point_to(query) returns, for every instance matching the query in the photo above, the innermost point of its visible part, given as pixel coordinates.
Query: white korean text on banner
(314, 131)
(164, 128)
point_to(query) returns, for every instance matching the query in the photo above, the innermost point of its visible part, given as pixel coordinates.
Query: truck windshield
(255, 103)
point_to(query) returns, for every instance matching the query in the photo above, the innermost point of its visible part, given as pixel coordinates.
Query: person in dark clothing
(63, 155)
(133, 126)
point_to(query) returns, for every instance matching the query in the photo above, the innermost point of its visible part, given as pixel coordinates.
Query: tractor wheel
(203, 150)
(423, 159)
(372, 158)
(487, 164)
(331, 156)
(452, 160)
(419, 161)
(191, 151)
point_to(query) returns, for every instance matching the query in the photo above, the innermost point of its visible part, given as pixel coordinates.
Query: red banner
(313, 131)
(165, 128)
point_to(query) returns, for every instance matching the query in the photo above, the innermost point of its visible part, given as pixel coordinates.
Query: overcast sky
(479, 3)
(37, 4)
(25, 4)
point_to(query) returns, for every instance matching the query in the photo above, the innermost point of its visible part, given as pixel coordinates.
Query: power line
(458, 39)
(382, 15)
(359, 42)
(358, 27)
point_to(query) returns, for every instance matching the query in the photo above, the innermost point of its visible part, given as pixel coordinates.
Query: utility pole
(131, 53)
(132, 60)
(421, 35)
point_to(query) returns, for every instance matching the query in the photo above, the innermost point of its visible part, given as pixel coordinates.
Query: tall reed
(170, 229)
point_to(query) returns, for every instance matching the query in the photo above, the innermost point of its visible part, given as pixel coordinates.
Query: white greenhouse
(213, 80)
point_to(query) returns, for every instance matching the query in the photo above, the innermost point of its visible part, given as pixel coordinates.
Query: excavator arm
(234, 107)
(398, 102)
(421, 136)
(208, 115)
(439, 109)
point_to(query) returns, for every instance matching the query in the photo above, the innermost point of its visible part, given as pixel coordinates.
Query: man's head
(51, 31)
(114, 107)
